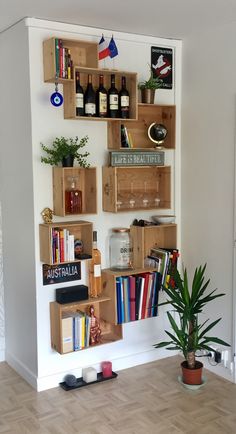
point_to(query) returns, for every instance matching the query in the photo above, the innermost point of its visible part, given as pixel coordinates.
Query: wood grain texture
(145, 399)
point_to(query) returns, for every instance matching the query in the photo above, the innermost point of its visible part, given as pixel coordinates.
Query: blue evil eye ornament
(56, 97)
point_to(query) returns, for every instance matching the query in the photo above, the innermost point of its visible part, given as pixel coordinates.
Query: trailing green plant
(62, 147)
(189, 335)
(152, 83)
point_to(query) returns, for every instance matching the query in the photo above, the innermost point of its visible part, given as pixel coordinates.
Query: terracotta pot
(68, 161)
(192, 376)
(148, 96)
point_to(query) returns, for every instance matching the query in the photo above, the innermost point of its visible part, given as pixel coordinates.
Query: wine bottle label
(90, 109)
(102, 103)
(79, 100)
(113, 102)
(97, 270)
(124, 101)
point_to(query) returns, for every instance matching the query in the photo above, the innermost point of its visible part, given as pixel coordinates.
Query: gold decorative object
(47, 215)
(95, 331)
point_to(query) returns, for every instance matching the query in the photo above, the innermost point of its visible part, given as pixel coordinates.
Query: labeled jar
(120, 249)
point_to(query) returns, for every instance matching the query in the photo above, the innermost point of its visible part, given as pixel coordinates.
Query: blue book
(126, 298)
(118, 299)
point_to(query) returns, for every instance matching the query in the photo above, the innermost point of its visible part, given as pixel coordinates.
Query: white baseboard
(125, 362)
(21, 369)
(2, 355)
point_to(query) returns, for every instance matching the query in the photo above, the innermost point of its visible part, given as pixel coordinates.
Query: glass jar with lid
(120, 249)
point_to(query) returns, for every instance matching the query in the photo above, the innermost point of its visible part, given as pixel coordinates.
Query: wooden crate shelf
(83, 53)
(147, 237)
(110, 331)
(109, 312)
(131, 84)
(82, 230)
(86, 181)
(147, 114)
(136, 188)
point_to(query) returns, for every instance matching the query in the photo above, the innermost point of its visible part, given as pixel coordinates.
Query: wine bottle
(95, 282)
(124, 100)
(73, 199)
(90, 99)
(79, 97)
(113, 99)
(101, 99)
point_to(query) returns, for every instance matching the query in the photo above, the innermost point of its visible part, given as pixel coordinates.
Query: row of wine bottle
(102, 103)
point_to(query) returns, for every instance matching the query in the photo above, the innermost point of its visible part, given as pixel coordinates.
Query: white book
(141, 298)
(71, 243)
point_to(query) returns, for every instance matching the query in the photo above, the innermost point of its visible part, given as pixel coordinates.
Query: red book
(132, 297)
(145, 292)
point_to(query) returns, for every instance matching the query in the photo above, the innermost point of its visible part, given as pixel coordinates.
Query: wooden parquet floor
(145, 399)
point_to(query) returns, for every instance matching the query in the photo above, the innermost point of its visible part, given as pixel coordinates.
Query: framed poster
(162, 65)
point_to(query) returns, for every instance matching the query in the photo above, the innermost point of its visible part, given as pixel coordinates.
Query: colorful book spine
(57, 57)
(132, 297)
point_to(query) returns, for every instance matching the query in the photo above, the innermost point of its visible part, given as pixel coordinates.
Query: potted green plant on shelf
(64, 151)
(188, 334)
(149, 87)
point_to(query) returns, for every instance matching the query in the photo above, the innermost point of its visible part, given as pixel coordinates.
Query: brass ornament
(47, 215)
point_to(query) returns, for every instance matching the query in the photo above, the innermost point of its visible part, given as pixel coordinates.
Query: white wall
(17, 201)
(47, 123)
(2, 317)
(208, 113)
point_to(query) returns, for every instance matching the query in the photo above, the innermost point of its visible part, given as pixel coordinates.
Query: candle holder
(107, 369)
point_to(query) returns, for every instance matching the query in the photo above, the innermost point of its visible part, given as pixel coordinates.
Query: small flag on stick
(103, 50)
(113, 51)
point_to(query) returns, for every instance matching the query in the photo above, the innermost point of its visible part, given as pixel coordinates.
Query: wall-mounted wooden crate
(83, 53)
(138, 130)
(109, 311)
(109, 331)
(135, 188)
(131, 84)
(86, 181)
(147, 237)
(82, 230)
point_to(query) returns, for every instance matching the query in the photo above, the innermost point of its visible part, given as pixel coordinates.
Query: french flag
(103, 50)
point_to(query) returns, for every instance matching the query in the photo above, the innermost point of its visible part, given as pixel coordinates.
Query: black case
(71, 293)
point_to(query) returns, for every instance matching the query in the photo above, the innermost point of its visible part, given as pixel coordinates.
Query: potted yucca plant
(188, 334)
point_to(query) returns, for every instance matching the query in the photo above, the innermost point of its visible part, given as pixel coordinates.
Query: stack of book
(63, 61)
(126, 139)
(137, 296)
(75, 331)
(62, 245)
(166, 264)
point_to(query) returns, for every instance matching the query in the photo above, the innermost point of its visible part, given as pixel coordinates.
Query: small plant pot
(68, 161)
(192, 376)
(148, 96)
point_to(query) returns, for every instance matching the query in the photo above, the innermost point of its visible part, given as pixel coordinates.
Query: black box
(71, 293)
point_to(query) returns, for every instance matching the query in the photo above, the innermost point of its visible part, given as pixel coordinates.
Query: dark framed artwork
(162, 65)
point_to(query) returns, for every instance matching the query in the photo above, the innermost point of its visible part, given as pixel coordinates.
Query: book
(145, 291)
(132, 297)
(57, 56)
(126, 299)
(67, 333)
(124, 141)
(118, 299)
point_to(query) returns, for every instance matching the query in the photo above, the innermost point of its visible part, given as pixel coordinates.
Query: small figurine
(47, 215)
(95, 331)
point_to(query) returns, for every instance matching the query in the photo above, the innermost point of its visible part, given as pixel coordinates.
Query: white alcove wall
(45, 123)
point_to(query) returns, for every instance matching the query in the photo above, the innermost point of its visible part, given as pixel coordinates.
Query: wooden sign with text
(61, 273)
(137, 158)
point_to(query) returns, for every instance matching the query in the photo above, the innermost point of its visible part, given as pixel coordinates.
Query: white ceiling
(163, 18)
